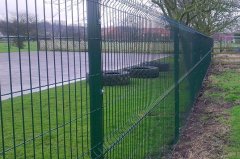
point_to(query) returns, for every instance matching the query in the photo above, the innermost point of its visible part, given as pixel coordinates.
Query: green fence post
(95, 82)
(176, 78)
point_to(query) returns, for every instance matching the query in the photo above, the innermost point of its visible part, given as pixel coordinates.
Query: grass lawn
(4, 47)
(234, 148)
(55, 122)
(116, 47)
(229, 83)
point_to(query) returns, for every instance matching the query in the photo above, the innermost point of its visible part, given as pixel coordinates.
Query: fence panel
(95, 79)
(44, 93)
(135, 42)
(226, 43)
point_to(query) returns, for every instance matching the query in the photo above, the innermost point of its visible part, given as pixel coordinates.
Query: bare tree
(19, 28)
(205, 15)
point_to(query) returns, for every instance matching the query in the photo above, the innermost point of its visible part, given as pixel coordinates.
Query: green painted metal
(95, 78)
(176, 79)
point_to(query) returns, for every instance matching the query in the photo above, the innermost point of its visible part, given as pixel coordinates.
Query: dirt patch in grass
(206, 134)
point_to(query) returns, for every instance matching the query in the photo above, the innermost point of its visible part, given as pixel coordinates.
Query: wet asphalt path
(39, 70)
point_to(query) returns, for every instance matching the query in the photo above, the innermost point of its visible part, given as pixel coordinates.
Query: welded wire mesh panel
(43, 69)
(194, 58)
(137, 62)
(95, 79)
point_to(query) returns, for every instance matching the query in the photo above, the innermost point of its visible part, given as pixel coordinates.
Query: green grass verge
(234, 148)
(13, 48)
(58, 120)
(228, 82)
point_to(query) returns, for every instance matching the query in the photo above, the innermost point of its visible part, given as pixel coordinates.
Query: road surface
(20, 74)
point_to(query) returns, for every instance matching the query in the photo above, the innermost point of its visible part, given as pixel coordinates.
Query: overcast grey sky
(22, 6)
(12, 10)
(11, 5)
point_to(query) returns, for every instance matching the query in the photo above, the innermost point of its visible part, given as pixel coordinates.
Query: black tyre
(115, 78)
(144, 72)
(163, 67)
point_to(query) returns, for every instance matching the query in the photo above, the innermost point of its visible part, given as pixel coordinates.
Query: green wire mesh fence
(95, 79)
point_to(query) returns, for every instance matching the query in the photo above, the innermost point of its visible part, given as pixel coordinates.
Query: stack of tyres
(115, 78)
(143, 72)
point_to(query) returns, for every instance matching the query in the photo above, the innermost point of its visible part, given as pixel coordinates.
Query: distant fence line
(107, 46)
(227, 44)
